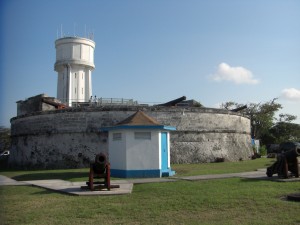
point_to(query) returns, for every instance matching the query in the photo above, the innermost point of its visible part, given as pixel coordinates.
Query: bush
(263, 150)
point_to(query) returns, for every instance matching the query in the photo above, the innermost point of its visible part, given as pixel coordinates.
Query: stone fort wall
(70, 138)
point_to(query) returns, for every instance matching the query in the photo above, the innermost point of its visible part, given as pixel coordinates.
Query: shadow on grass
(51, 175)
(256, 179)
(44, 191)
(273, 179)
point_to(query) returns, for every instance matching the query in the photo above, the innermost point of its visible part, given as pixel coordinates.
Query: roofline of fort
(131, 108)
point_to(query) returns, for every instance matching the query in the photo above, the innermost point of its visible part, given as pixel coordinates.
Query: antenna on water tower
(74, 29)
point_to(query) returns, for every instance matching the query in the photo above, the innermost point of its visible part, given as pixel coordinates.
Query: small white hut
(139, 147)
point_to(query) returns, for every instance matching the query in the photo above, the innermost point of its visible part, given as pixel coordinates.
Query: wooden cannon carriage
(286, 161)
(99, 175)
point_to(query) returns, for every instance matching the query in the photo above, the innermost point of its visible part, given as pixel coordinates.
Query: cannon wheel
(91, 179)
(296, 167)
(285, 168)
(269, 172)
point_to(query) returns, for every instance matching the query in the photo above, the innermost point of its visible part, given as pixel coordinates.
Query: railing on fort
(106, 102)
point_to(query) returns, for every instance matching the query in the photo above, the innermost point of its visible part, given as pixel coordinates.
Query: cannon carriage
(100, 170)
(286, 162)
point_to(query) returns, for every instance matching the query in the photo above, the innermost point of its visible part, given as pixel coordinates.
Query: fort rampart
(70, 138)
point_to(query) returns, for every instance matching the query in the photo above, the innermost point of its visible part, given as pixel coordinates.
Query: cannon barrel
(100, 163)
(173, 102)
(53, 103)
(100, 169)
(239, 108)
(291, 154)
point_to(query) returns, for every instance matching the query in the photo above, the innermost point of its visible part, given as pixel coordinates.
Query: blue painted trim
(164, 151)
(168, 173)
(135, 173)
(141, 173)
(169, 128)
(133, 127)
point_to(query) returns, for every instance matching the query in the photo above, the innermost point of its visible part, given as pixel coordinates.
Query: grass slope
(223, 201)
(181, 170)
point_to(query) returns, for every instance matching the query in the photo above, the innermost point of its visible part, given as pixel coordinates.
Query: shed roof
(139, 118)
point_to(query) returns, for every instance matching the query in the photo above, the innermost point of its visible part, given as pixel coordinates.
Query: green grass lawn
(221, 168)
(181, 170)
(222, 201)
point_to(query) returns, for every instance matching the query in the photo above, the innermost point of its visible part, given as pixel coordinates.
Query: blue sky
(155, 51)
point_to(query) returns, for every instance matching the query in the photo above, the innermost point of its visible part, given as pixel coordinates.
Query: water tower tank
(74, 64)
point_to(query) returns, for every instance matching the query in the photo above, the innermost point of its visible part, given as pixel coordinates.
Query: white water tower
(74, 65)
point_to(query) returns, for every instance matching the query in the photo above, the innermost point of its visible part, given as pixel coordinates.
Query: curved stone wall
(70, 138)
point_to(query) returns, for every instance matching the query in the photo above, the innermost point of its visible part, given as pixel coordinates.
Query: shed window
(142, 135)
(117, 136)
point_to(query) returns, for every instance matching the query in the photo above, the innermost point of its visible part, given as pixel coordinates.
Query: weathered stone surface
(70, 138)
(197, 147)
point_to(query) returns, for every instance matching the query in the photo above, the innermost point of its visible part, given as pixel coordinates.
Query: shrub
(263, 150)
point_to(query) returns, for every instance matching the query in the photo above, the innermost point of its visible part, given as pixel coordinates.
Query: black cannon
(239, 108)
(173, 102)
(100, 169)
(286, 161)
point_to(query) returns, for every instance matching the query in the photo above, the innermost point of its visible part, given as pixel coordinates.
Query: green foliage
(4, 139)
(262, 117)
(263, 150)
(198, 104)
(286, 117)
(285, 131)
(230, 105)
(263, 126)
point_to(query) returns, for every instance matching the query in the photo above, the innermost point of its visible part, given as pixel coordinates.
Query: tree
(284, 131)
(286, 117)
(261, 115)
(4, 139)
(230, 105)
(265, 126)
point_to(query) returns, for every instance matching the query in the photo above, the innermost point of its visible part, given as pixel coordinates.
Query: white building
(139, 147)
(74, 65)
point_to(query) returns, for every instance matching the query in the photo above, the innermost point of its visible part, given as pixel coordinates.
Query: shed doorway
(164, 152)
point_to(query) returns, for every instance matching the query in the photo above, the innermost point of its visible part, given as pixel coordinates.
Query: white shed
(139, 147)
